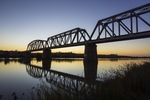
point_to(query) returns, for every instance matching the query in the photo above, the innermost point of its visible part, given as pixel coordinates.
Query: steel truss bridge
(67, 82)
(131, 24)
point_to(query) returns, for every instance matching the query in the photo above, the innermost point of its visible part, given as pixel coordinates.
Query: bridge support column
(27, 57)
(46, 54)
(46, 64)
(27, 54)
(90, 71)
(90, 62)
(90, 53)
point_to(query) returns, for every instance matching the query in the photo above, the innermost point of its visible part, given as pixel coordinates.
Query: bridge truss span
(134, 21)
(36, 45)
(72, 37)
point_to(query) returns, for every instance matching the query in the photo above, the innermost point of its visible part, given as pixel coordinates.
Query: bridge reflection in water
(67, 82)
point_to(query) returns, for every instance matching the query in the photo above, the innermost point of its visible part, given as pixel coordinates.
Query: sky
(22, 21)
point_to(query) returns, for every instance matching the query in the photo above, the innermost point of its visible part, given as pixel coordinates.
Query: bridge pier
(46, 54)
(46, 64)
(90, 53)
(90, 62)
(90, 72)
(27, 55)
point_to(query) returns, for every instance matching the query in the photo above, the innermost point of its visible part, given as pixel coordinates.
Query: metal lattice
(123, 24)
(73, 37)
(36, 45)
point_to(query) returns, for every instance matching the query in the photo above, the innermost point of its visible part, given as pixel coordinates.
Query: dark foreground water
(19, 76)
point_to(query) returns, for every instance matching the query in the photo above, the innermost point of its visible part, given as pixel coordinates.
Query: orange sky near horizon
(139, 47)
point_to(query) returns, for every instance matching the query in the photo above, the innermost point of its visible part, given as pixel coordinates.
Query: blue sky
(22, 21)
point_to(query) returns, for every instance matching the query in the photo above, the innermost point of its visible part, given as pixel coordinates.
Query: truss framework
(72, 37)
(125, 23)
(124, 26)
(36, 44)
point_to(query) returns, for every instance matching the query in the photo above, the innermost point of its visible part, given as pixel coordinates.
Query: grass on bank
(131, 82)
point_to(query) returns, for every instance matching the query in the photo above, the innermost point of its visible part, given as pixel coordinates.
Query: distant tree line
(67, 55)
(11, 54)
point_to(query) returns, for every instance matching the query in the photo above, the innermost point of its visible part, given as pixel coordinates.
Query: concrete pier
(46, 64)
(90, 53)
(46, 54)
(90, 72)
(90, 62)
(27, 55)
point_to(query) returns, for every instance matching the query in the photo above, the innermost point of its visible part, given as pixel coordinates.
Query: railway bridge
(128, 25)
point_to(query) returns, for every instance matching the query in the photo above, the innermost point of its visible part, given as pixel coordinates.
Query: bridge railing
(125, 23)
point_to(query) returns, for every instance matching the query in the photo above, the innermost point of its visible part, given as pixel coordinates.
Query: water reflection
(46, 64)
(70, 83)
(90, 71)
(8, 60)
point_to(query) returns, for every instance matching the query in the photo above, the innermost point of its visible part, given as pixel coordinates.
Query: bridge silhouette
(128, 25)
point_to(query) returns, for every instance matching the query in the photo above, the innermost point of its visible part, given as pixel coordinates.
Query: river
(18, 76)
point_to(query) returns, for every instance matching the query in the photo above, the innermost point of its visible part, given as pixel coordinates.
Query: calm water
(18, 77)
